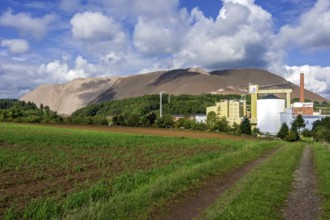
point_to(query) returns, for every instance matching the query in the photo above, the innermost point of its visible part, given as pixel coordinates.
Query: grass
(261, 194)
(322, 166)
(138, 201)
(88, 174)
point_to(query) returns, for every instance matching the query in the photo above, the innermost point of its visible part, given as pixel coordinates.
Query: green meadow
(62, 173)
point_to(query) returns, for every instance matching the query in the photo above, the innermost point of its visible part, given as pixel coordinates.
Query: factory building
(303, 108)
(268, 111)
(233, 110)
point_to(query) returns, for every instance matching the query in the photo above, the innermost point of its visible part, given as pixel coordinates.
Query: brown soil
(191, 204)
(18, 187)
(158, 132)
(303, 202)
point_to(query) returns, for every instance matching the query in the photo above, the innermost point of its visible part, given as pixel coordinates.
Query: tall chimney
(302, 88)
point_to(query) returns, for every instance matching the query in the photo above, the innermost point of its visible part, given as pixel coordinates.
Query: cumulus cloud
(27, 25)
(15, 46)
(312, 31)
(317, 78)
(94, 26)
(236, 38)
(160, 36)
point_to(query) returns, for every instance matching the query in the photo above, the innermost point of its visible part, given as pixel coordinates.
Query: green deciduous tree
(222, 125)
(166, 121)
(211, 118)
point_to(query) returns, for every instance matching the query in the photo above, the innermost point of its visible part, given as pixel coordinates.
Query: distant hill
(66, 98)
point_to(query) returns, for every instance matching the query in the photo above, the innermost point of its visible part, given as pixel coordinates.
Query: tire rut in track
(303, 201)
(191, 204)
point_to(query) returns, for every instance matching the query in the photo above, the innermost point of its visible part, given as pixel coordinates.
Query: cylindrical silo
(268, 114)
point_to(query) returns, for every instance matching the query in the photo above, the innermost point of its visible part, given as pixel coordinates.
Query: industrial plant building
(269, 112)
(233, 110)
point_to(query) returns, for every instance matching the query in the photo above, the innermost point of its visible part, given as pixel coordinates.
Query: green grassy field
(261, 194)
(322, 166)
(61, 173)
(66, 173)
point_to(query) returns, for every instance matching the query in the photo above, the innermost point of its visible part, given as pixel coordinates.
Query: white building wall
(268, 115)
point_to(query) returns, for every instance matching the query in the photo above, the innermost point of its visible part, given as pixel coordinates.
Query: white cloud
(313, 30)
(237, 38)
(162, 35)
(27, 25)
(317, 78)
(59, 71)
(15, 46)
(94, 26)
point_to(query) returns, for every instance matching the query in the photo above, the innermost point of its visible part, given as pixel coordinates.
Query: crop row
(53, 172)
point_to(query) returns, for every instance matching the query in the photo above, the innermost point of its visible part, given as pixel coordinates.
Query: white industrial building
(268, 111)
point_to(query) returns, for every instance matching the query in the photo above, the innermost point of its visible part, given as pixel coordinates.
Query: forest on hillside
(13, 110)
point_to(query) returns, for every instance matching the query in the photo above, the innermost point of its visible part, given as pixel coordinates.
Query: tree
(322, 133)
(294, 129)
(133, 120)
(291, 136)
(165, 122)
(235, 128)
(284, 130)
(118, 120)
(324, 121)
(151, 117)
(300, 122)
(210, 120)
(222, 124)
(307, 133)
(246, 126)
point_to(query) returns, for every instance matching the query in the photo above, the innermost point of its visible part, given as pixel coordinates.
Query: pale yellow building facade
(233, 110)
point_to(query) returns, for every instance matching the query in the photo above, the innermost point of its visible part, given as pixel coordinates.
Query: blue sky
(57, 41)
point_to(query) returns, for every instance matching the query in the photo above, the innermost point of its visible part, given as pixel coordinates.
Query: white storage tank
(268, 114)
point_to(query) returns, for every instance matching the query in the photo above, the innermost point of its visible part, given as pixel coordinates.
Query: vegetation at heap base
(174, 105)
(13, 110)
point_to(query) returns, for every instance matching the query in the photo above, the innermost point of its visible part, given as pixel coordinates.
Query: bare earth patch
(303, 202)
(191, 204)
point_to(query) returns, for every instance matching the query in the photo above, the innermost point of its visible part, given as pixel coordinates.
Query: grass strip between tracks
(261, 194)
(138, 202)
(322, 165)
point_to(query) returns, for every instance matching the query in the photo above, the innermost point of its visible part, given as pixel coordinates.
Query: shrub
(291, 136)
(284, 130)
(246, 126)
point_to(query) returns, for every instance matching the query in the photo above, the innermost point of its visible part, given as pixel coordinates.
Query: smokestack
(302, 87)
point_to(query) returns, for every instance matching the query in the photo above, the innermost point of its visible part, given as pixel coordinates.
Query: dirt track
(303, 202)
(191, 204)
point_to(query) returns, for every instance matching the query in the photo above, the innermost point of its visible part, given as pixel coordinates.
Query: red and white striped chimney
(302, 88)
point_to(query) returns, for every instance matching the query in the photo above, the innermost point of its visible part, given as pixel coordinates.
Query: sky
(55, 41)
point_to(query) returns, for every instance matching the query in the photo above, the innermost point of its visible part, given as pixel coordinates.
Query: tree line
(320, 130)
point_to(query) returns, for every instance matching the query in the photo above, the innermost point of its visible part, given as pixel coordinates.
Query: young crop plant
(66, 172)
